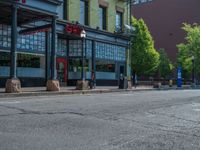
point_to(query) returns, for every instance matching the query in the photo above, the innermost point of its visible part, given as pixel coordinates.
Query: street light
(83, 36)
(193, 71)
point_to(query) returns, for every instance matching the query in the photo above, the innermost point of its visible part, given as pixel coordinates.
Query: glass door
(61, 66)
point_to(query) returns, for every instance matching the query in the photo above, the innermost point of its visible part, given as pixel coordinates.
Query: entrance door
(61, 66)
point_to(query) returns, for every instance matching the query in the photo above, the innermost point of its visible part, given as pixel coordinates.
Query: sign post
(179, 77)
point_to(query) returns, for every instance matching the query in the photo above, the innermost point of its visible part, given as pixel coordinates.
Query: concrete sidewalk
(41, 91)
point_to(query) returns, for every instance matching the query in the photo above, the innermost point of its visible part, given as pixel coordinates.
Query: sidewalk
(41, 91)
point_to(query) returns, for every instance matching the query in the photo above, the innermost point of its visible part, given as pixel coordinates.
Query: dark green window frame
(102, 12)
(86, 12)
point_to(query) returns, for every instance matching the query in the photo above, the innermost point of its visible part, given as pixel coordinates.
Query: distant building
(164, 19)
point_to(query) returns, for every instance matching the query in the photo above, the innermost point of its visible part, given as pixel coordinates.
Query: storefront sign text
(21, 1)
(73, 29)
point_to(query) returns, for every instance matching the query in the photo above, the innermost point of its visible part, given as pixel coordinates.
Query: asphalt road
(153, 120)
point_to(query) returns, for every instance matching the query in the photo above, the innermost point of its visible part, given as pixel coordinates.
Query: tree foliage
(189, 49)
(144, 57)
(165, 66)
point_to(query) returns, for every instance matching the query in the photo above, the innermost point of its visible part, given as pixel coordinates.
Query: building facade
(66, 40)
(165, 19)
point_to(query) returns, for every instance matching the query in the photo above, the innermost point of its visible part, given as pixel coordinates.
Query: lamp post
(193, 71)
(83, 36)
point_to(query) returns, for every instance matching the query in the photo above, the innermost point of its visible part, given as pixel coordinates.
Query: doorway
(61, 66)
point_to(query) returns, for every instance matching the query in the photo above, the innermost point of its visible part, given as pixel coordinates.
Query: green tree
(165, 66)
(189, 49)
(144, 57)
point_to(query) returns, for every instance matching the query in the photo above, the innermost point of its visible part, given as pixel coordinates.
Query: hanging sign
(73, 29)
(21, 1)
(34, 30)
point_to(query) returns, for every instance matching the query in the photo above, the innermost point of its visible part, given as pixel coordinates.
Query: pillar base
(82, 85)
(13, 86)
(53, 85)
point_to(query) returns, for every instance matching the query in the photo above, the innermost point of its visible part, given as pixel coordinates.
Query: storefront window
(23, 60)
(75, 48)
(33, 42)
(89, 48)
(4, 59)
(27, 60)
(61, 47)
(105, 66)
(110, 52)
(75, 65)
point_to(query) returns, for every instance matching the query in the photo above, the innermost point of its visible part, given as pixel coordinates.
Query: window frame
(86, 12)
(104, 17)
(120, 14)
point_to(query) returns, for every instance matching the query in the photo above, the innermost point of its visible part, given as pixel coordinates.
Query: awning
(24, 15)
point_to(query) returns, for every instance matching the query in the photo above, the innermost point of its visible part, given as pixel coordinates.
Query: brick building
(164, 19)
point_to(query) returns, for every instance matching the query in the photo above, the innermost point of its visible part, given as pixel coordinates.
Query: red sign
(36, 31)
(73, 29)
(21, 1)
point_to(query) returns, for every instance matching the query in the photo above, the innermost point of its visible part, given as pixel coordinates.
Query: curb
(98, 91)
(45, 93)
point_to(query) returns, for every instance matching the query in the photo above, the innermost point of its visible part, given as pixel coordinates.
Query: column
(13, 84)
(53, 50)
(93, 74)
(83, 77)
(13, 56)
(47, 55)
(53, 84)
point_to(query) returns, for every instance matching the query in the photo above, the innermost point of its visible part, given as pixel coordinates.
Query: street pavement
(149, 120)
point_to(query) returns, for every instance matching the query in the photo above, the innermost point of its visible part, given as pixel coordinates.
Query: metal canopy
(24, 15)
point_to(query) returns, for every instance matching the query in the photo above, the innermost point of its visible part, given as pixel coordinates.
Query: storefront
(97, 55)
(25, 42)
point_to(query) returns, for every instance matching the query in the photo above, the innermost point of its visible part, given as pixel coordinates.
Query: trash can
(123, 83)
(91, 84)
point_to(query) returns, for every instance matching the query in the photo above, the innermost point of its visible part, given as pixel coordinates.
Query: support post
(193, 72)
(47, 55)
(53, 84)
(83, 84)
(93, 75)
(83, 61)
(13, 84)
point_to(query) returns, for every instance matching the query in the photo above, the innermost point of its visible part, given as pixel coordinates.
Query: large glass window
(23, 60)
(62, 47)
(119, 21)
(105, 66)
(75, 48)
(88, 48)
(4, 59)
(102, 18)
(110, 52)
(75, 65)
(83, 12)
(34, 42)
(27, 60)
